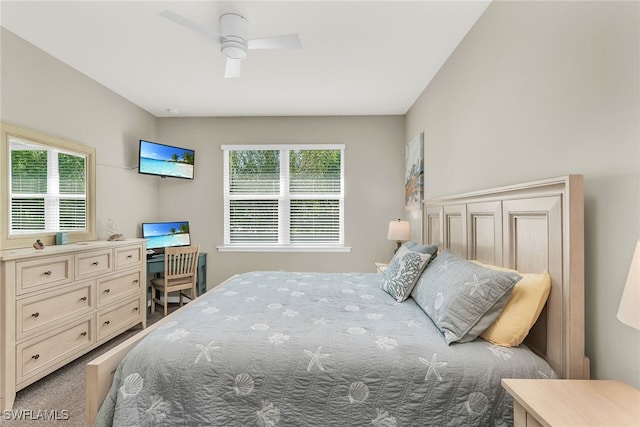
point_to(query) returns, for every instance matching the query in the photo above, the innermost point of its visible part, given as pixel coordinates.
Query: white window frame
(284, 198)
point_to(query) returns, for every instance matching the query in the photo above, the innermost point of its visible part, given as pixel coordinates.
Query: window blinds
(288, 195)
(48, 189)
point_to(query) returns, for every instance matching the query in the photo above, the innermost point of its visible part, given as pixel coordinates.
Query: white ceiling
(358, 57)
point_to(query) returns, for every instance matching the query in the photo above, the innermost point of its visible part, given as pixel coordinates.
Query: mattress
(311, 349)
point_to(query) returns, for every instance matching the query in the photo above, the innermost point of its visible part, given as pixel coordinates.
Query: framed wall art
(414, 175)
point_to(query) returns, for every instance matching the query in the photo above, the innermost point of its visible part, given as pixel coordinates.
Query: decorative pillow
(527, 300)
(462, 298)
(403, 271)
(423, 249)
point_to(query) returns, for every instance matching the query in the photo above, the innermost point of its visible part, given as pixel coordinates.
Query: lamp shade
(629, 310)
(399, 231)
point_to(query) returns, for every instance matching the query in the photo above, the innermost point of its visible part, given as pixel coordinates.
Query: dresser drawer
(52, 349)
(93, 263)
(38, 274)
(45, 310)
(112, 288)
(112, 320)
(128, 257)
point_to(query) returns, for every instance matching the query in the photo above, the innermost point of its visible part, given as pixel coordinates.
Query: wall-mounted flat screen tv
(165, 160)
(161, 235)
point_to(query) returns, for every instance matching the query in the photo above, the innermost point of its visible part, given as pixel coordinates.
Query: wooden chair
(180, 274)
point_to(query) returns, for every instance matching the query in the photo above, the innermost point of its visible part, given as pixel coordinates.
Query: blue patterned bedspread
(311, 349)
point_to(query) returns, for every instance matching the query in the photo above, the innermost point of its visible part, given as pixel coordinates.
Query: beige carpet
(62, 390)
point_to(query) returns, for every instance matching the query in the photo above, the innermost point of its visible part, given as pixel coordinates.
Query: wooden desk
(156, 265)
(573, 403)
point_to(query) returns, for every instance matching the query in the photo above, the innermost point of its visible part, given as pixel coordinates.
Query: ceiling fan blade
(286, 41)
(181, 20)
(232, 68)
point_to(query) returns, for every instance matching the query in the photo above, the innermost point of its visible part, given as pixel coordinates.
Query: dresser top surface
(25, 253)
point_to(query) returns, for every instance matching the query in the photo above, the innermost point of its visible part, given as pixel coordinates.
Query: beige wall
(41, 93)
(374, 177)
(543, 89)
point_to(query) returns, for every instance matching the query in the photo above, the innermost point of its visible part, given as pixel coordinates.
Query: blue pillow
(403, 271)
(423, 249)
(462, 298)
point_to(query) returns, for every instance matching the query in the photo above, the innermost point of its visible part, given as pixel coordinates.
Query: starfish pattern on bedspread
(204, 351)
(433, 365)
(315, 358)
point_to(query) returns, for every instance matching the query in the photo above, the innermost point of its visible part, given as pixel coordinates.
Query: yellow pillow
(522, 310)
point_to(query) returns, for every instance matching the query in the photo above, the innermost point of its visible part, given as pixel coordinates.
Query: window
(49, 188)
(284, 197)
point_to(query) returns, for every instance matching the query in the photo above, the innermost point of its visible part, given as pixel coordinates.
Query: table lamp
(400, 231)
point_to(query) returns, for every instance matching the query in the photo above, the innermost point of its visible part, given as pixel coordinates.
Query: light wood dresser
(62, 301)
(573, 403)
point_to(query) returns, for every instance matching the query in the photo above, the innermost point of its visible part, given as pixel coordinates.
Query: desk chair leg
(166, 301)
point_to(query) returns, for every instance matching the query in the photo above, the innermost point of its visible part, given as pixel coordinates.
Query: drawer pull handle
(83, 298)
(47, 273)
(135, 308)
(36, 314)
(35, 357)
(135, 281)
(106, 291)
(107, 322)
(129, 256)
(83, 334)
(95, 263)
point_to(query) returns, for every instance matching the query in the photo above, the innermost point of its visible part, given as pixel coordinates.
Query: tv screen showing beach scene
(165, 160)
(166, 234)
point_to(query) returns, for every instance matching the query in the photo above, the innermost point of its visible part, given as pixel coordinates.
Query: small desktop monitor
(161, 235)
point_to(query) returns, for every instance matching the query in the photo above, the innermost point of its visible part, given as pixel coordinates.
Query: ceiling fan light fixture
(235, 31)
(234, 49)
(234, 39)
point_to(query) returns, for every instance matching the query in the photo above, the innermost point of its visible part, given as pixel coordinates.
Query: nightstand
(573, 403)
(381, 266)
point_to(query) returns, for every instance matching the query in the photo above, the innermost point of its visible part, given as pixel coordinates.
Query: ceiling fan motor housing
(235, 31)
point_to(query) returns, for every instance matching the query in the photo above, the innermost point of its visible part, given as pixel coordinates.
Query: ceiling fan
(233, 38)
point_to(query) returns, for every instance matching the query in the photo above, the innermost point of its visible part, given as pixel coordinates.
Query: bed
(283, 348)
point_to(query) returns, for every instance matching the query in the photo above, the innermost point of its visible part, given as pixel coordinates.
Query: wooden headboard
(531, 227)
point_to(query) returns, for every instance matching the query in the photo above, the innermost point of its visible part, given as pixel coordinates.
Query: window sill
(278, 248)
